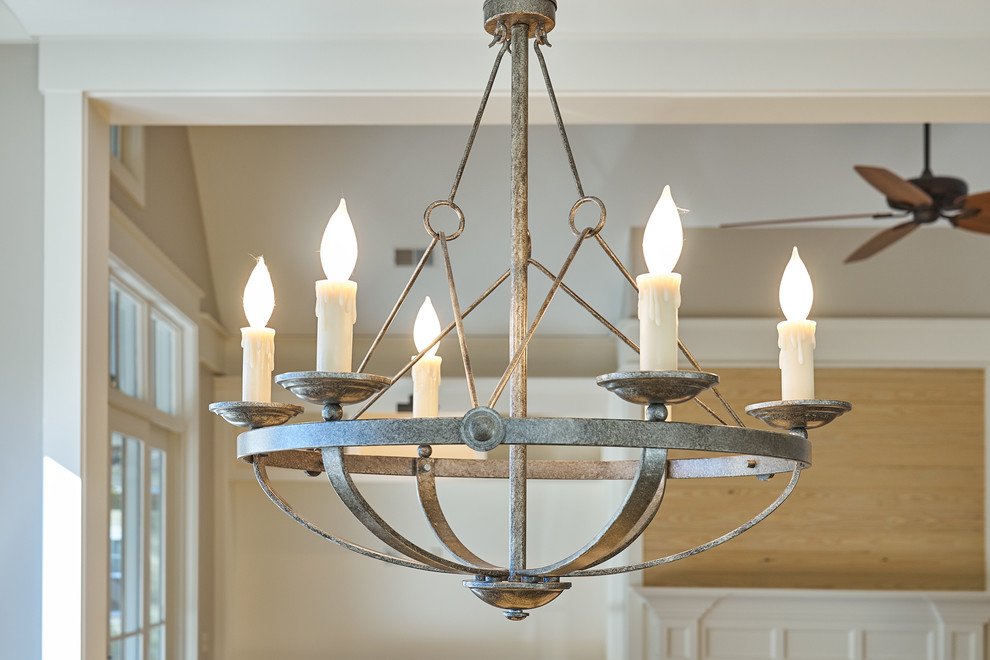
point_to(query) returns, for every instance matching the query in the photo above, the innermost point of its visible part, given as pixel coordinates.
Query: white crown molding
(396, 80)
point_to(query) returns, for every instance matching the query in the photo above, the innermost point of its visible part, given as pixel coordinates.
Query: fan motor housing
(945, 192)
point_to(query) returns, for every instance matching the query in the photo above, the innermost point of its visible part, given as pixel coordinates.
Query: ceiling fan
(925, 199)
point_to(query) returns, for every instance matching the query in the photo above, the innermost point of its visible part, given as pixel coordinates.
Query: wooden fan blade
(882, 240)
(784, 221)
(893, 186)
(975, 215)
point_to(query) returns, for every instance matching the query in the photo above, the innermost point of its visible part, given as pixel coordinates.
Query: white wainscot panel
(726, 624)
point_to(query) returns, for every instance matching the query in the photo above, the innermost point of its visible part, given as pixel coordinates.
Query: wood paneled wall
(894, 499)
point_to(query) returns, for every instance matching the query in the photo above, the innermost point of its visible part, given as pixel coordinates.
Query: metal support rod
(520, 353)
(398, 304)
(461, 337)
(519, 132)
(443, 333)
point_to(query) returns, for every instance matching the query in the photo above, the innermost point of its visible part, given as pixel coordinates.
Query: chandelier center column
(519, 130)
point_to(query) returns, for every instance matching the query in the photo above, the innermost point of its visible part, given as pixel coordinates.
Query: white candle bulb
(259, 296)
(426, 328)
(426, 372)
(796, 335)
(660, 289)
(338, 249)
(258, 341)
(796, 290)
(336, 296)
(663, 237)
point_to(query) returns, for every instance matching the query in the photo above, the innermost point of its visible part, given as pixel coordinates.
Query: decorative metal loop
(456, 209)
(601, 219)
(482, 429)
(499, 35)
(541, 36)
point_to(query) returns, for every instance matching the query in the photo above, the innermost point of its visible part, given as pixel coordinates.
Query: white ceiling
(309, 18)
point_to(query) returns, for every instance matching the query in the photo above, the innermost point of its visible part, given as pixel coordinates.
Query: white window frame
(140, 268)
(154, 436)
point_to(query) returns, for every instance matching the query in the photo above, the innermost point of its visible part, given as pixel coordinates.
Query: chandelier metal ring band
(528, 430)
(426, 488)
(261, 474)
(340, 478)
(632, 517)
(795, 475)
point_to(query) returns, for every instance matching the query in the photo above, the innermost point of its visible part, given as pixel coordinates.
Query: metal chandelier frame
(317, 448)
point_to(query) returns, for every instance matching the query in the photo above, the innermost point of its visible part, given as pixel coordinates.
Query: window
(144, 349)
(127, 160)
(151, 584)
(138, 562)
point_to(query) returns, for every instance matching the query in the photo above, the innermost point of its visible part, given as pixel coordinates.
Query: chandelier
(322, 447)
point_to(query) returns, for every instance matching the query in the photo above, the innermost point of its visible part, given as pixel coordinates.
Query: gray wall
(21, 143)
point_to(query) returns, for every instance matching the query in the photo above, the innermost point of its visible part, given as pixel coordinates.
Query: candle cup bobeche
(657, 389)
(798, 415)
(332, 389)
(255, 414)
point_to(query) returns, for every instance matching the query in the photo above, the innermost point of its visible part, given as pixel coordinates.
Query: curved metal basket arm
(426, 487)
(340, 478)
(701, 548)
(639, 508)
(261, 474)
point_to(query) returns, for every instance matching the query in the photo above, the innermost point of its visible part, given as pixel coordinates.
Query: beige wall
(171, 215)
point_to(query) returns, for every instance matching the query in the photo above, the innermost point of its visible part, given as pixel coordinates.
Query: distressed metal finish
(333, 463)
(311, 461)
(325, 387)
(650, 387)
(563, 134)
(587, 307)
(728, 466)
(521, 250)
(509, 13)
(426, 487)
(482, 429)
(638, 509)
(459, 321)
(398, 304)
(261, 474)
(443, 333)
(578, 432)
(320, 447)
(515, 597)
(255, 414)
(798, 413)
(715, 390)
(704, 546)
(477, 118)
(518, 361)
